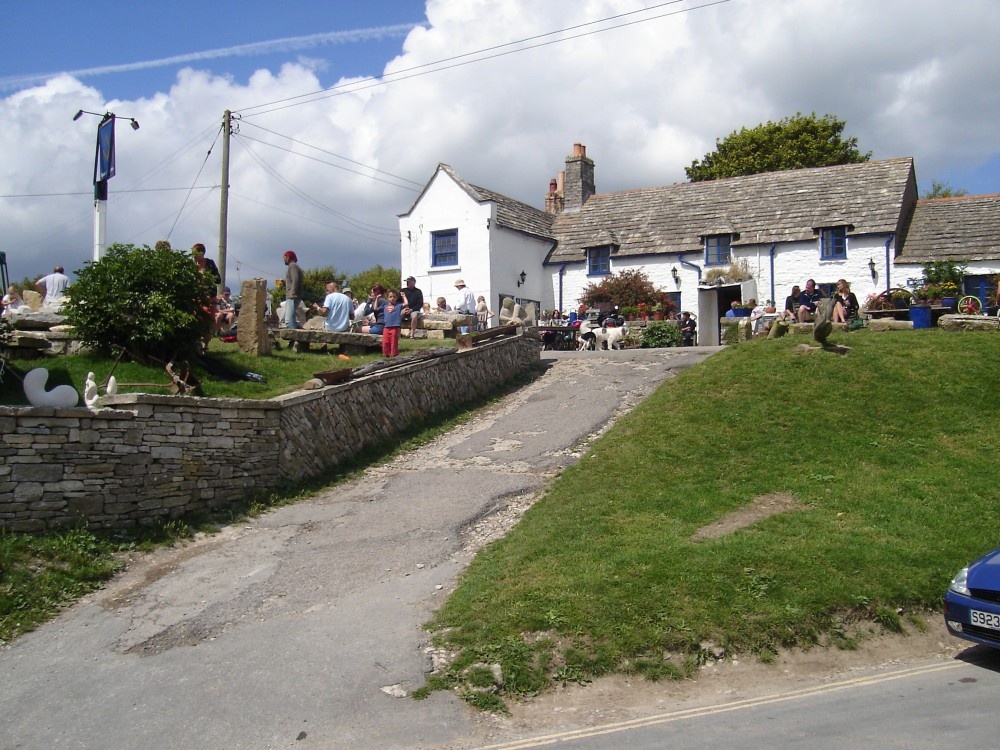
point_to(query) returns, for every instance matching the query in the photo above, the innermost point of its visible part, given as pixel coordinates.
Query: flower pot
(657, 316)
(921, 316)
(741, 312)
(949, 301)
(900, 304)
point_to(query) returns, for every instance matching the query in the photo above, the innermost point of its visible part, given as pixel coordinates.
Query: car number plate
(985, 619)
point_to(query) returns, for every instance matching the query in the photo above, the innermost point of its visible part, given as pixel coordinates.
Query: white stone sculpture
(60, 397)
(90, 391)
(112, 385)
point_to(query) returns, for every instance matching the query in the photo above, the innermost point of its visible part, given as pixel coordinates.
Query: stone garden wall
(142, 458)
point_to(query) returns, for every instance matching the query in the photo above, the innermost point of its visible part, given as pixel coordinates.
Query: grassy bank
(887, 455)
(283, 371)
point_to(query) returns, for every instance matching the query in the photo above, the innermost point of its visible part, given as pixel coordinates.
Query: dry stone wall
(142, 458)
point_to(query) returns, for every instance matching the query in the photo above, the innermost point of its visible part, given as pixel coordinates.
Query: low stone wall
(142, 458)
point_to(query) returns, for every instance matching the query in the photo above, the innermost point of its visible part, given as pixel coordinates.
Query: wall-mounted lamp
(521, 278)
(871, 268)
(676, 275)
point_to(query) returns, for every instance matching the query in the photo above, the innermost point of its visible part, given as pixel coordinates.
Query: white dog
(596, 338)
(614, 336)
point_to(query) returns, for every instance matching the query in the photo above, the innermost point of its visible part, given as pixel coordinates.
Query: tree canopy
(943, 190)
(794, 143)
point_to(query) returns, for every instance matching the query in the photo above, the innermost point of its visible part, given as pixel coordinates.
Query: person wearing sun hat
(466, 299)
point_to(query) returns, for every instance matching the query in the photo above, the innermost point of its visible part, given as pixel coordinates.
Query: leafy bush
(660, 334)
(623, 288)
(153, 303)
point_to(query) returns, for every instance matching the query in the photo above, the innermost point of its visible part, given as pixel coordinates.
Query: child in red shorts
(393, 322)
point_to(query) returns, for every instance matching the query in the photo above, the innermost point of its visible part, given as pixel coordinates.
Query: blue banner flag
(104, 160)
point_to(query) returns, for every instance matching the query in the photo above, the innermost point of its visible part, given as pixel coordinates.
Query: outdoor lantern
(523, 276)
(871, 268)
(676, 275)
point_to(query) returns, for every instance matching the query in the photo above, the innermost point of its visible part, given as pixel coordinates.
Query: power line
(372, 82)
(383, 231)
(417, 185)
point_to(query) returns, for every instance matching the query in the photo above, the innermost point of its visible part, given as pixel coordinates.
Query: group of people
(53, 287)
(801, 304)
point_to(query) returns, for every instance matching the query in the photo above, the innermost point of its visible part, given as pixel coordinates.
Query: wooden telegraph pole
(227, 117)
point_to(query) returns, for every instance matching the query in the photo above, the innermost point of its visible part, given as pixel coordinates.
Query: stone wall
(142, 458)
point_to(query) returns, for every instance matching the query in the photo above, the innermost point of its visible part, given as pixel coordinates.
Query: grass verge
(888, 457)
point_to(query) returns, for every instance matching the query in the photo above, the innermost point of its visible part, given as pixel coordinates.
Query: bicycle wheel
(970, 305)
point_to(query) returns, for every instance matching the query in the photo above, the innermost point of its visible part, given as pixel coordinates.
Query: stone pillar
(251, 331)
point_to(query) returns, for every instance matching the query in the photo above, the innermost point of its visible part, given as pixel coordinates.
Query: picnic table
(559, 338)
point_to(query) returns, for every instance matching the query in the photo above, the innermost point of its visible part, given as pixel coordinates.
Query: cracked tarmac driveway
(302, 628)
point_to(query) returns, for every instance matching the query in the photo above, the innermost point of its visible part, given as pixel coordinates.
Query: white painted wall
(445, 205)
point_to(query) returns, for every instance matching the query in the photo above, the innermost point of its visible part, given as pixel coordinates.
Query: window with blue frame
(718, 249)
(833, 243)
(444, 248)
(599, 261)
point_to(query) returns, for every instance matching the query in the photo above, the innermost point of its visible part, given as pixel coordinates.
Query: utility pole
(227, 118)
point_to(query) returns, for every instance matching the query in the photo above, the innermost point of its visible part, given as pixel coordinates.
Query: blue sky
(646, 85)
(53, 36)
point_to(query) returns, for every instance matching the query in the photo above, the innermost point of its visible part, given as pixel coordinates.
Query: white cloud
(912, 78)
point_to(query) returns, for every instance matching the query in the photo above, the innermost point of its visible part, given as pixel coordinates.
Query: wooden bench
(349, 343)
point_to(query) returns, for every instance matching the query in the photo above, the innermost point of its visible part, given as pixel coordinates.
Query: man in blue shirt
(808, 301)
(337, 307)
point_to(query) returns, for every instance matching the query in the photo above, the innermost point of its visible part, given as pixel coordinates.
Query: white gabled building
(861, 222)
(457, 230)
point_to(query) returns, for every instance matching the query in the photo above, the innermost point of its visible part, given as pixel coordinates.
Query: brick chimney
(554, 198)
(579, 179)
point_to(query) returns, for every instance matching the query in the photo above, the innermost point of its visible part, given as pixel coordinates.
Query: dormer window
(718, 249)
(833, 243)
(599, 261)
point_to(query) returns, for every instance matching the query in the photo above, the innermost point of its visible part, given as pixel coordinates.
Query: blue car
(972, 602)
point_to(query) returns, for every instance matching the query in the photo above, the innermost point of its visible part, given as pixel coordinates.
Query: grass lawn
(283, 371)
(889, 454)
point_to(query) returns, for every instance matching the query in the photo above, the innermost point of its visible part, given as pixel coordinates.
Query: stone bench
(349, 343)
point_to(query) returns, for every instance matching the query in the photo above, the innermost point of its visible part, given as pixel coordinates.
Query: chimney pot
(579, 149)
(552, 185)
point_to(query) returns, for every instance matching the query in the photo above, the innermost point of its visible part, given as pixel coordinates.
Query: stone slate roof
(510, 213)
(783, 206)
(965, 228)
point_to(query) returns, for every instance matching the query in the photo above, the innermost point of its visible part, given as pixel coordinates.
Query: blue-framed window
(833, 243)
(444, 248)
(599, 261)
(718, 249)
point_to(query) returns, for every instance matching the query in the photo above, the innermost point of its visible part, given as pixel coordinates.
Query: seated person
(442, 305)
(11, 301)
(483, 313)
(688, 328)
(845, 303)
(731, 312)
(808, 301)
(792, 303)
(374, 312)
(225, 312)
(413, 304)
(337, 307)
